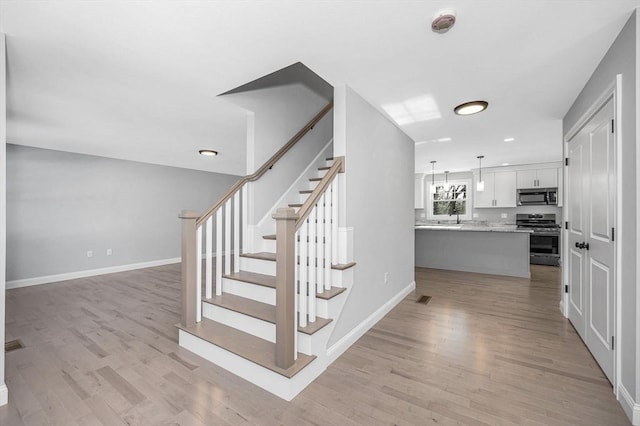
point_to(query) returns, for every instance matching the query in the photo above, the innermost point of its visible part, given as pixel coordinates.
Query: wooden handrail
(337, 167)
(266, 166)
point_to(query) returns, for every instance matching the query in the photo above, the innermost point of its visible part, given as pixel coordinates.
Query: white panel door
(592, 191)
(547, 178)
(505, 189)
(576, 234)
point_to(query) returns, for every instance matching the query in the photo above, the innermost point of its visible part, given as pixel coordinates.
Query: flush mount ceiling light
(208, 152)
(443, 21)
(472, 107)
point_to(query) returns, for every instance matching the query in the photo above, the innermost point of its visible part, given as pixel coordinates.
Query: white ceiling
(139, 80)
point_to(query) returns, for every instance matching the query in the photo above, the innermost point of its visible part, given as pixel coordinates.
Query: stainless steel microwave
(537, 197)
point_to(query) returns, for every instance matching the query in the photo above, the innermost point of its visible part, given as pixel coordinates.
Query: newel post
(189, 265)
(285, 286)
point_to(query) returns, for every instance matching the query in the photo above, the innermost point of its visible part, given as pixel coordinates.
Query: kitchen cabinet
(419, 192)
(499, 190)
(537, 178)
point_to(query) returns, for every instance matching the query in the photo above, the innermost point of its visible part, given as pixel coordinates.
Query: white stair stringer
(266, 225)
(268, 380)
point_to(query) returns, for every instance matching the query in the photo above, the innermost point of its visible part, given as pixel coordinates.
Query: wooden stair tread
(253, 278)
(315, 179)
(269, 237)
(329, 294)
(259, 310)
(272, 257)
(262, 255)
(306, 191)
(343, 266)
(247, 346)
(295, 205)
(329, 158)
(324, 168)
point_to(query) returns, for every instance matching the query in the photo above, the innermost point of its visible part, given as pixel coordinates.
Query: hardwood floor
(485, 350)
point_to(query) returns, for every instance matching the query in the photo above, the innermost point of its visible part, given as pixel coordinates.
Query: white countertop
(471, 227)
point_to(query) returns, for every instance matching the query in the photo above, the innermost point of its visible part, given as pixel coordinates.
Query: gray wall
(621, 59)
(60, 205)
(378, 205)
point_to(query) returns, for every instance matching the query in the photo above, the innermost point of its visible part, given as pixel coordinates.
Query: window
(447, 201)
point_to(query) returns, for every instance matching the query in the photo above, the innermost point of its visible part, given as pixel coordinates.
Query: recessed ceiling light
(208, 152)
(472, 107)
(510, 139)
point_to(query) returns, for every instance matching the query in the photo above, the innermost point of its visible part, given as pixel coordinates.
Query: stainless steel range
(544, 247)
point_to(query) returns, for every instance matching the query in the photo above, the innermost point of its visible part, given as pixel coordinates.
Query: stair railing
(306, 244)
(234, 206)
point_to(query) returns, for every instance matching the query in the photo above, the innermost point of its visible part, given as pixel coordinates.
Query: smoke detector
(443, 21)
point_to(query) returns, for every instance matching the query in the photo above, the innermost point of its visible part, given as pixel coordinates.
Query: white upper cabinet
(537, 178)
(499, 190)
(419, 192)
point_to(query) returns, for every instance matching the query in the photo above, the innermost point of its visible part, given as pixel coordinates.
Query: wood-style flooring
(485, 350)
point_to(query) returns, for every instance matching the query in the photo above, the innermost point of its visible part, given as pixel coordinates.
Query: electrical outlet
(90, 253)
(109, 252)
(386, 278)
(503, 215)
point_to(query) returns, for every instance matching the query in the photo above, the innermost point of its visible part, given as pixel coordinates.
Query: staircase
(267, 315)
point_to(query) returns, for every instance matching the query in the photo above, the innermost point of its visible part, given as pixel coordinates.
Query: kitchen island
(487, 249)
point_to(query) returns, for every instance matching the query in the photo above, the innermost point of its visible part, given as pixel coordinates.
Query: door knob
(582, 245)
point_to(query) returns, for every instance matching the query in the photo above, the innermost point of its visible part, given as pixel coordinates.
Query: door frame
(613, 91)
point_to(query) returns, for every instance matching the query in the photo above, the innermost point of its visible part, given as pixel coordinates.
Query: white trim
(47, 279)
(630, 407)
(4, 394)
(612, 92)
(357, 332)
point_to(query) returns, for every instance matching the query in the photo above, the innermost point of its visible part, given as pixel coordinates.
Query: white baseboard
(26, 282)
(630, 407)
(350, 338)
(4, 394)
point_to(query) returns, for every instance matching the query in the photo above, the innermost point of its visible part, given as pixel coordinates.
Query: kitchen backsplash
(495, 215)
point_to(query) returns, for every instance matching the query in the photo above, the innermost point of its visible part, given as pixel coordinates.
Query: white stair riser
(272, 382)
(249, 291)
(262, 329)
(259, 266)
(269, 246)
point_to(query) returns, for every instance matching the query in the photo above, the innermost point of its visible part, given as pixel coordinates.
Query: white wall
(622, 59)
(277, 114)
(379, 204)
(60, 205)
(4, 395)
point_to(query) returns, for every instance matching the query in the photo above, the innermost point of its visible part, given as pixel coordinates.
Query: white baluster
(296, 288)
(199, 274)
(209, 258)
(227, 237)
(326, 197)
(236, 232)
(219, 250)
(245, 212)
(311, 260)
(334, 224)
(303, 271)
(318, 242)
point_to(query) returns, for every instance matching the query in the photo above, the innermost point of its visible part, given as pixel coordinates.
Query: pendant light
(446, 179)
(480, 184)
(433, 175)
